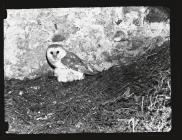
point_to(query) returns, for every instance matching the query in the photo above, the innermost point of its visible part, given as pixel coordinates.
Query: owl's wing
(74, 62)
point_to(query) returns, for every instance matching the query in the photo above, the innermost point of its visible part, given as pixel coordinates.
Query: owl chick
(67, 65)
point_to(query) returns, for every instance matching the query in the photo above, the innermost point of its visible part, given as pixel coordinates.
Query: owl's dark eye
(51, 52)
(57, 52)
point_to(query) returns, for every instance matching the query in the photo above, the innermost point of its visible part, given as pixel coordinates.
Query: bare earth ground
(129, 98)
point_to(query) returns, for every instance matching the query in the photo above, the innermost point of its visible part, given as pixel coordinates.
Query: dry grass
(132, 98)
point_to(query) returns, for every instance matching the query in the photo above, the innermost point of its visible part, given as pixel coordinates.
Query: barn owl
(67, 65)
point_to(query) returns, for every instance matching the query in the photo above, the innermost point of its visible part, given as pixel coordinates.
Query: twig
(142, 104)
(133, 121)
(127, 93)
(112, 100)
(130, 109)
(169, 86)
(119, 97)
(151, 104)
(133, 124)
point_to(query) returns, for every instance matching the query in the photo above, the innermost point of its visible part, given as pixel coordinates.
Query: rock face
(88, 32)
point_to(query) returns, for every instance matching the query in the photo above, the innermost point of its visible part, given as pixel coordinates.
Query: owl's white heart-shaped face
(55, 53)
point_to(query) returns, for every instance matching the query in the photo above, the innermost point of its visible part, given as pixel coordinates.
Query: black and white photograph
(87, 70)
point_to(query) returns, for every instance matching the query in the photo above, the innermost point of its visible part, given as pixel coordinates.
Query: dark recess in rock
(157, 14)
(58, 38)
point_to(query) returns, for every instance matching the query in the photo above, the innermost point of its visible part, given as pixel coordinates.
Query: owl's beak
(54, 56)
